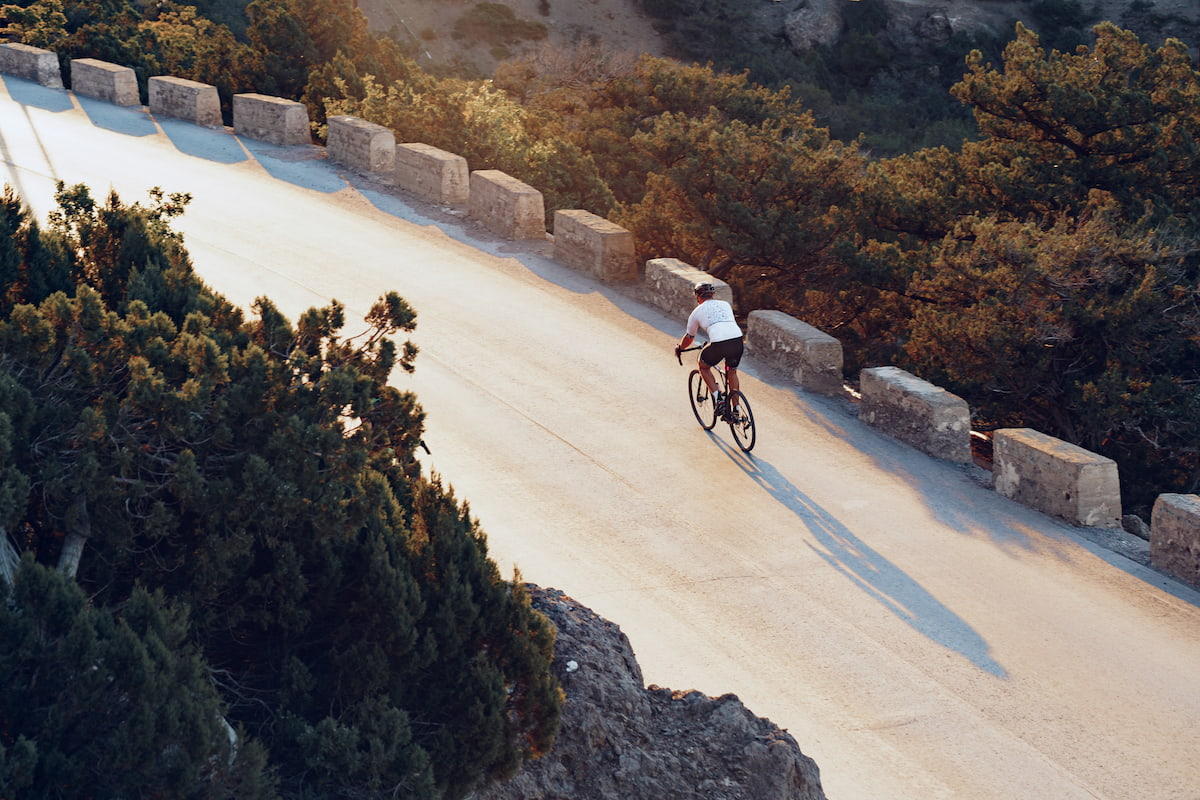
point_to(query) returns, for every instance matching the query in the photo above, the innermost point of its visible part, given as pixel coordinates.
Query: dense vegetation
(1045, 268)
(888, 86)
(251, 537)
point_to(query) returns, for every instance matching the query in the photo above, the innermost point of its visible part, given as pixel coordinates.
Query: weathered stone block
(111, 83)
(185, 99)
(506, 206)
(271, 119)
(433, 174)
(1056, 477)
(1175, 536)
(669, 284)
(360, 145)
(811, 357)
(31, 63)
(915, 411)
(595, 245)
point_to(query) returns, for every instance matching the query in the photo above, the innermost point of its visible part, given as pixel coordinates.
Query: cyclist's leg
(731, 375)
(706, 368)
(732, 360)
(706, 372)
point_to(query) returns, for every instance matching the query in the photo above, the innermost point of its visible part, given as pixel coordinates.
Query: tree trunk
(10, 559)
(79, 530)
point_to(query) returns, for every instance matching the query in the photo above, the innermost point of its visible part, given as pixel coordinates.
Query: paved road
(920, 636)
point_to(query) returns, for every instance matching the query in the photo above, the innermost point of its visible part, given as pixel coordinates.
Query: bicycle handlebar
(679, 355)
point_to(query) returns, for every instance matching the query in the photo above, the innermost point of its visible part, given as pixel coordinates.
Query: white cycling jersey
(716, 318)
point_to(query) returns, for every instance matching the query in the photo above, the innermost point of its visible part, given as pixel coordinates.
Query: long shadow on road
(879, 578)
(127, 120)
(28, 93)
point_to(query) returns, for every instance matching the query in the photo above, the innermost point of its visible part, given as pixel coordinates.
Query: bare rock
(1134, 524)
(914, 26)
(621, 741)
(816, 23)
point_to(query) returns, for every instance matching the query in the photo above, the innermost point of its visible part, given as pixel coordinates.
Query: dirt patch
(618, 25)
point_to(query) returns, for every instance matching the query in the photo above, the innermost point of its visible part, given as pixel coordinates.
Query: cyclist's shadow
(868, 570)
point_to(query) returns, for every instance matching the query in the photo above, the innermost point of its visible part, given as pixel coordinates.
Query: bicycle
(736, 411)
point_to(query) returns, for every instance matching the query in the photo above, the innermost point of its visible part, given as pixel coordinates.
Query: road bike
(735, 410)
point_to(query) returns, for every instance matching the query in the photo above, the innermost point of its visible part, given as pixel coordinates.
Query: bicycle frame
(741, 423)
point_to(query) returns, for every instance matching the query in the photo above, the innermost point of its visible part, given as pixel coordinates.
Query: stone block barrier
(811, 357)
(1175, 536)
(915, 411)
(433, 175)
(669, 284)
(360, 145)
(1056, 477)
(271, 119)
(104, 81)
(185, 99)
(31, 63)
(593, 244)
(506, 206)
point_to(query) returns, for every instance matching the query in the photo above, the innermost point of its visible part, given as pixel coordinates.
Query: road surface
(920, 636)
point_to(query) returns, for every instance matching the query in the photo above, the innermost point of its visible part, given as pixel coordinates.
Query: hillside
(623, 25)
(881, 68)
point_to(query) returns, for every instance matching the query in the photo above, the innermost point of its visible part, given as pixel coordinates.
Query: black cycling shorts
(730, 350)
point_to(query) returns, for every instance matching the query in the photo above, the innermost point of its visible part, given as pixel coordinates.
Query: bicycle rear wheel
(702, 402)
(741, 422)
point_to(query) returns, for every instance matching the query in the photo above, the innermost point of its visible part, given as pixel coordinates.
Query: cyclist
(724, 341)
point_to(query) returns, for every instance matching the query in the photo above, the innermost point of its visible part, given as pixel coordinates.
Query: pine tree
(110, 703)
(261, 473)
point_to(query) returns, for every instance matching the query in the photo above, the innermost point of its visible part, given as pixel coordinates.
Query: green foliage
(38, 24)
(469, 118)
(862, 84)
(175, 40)
(230, 13)
(261, 473)
(1077, 328)
(283, 42)
(113, 703)
(1061, 22)
(1050, 268)
(1121, 117)
(765, 197)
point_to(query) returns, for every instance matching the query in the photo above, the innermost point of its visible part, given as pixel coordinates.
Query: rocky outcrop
(816, 23)
(622, 741)
(911, 23)
(916, 24)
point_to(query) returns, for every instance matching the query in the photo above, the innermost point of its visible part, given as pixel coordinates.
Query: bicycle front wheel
(741, 422)
(702, 402)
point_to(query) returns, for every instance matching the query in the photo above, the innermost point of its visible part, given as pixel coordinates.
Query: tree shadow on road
(879, 578)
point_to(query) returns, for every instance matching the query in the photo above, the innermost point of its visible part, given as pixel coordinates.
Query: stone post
(811, 357)
(111, 83)
(185, 99)
(1056, 477)
(31, 63)
(1175, 536)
